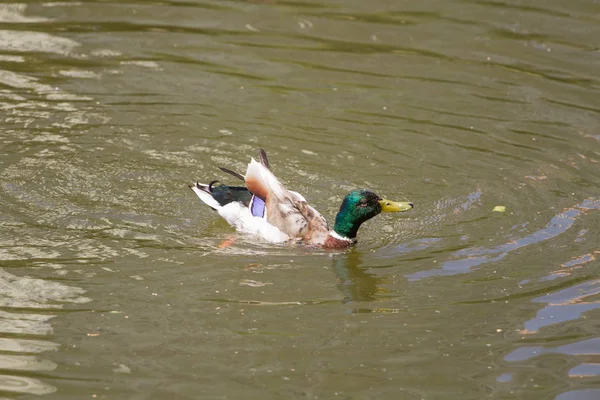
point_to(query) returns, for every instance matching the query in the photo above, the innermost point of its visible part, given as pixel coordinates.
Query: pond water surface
(115, 280)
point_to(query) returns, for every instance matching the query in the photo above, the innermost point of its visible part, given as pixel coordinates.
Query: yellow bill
(395, 206)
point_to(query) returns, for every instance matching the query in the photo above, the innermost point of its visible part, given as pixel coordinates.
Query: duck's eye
(363, 203)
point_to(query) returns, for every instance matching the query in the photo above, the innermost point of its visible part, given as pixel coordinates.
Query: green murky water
(115, 282)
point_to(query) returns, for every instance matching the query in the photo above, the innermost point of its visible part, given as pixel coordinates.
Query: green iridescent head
(361, 205)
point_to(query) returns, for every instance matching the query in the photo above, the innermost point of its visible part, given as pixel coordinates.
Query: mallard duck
(265, 207)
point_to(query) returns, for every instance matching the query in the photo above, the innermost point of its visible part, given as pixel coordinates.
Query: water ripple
(475, 257)
(582, 394)
(21, 353)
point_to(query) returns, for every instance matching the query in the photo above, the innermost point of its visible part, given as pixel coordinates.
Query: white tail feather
(261, 181)
(242, 219)
(205, 197)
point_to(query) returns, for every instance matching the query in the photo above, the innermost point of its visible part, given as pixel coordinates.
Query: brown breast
(335, 243)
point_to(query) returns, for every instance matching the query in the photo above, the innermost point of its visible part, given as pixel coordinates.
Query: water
(115, 280)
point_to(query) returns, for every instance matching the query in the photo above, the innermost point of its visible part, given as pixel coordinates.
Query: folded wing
(286, 210)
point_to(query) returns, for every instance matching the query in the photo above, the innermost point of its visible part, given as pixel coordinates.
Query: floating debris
(122, 369)
(251, 283)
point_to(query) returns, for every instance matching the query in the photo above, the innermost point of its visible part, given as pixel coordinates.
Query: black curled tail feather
(224, 194)
(230, 172)
(211, 184)
(262, 157)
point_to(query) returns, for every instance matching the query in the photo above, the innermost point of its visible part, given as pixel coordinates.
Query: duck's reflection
(355, 283)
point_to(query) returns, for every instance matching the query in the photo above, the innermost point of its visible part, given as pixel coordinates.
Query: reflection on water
(28, 304)
(585, 347)
(565, 305)
(475, 257)
(585, 394)
(356, 284)
(562, 306)
(109, 109)
(20, 351)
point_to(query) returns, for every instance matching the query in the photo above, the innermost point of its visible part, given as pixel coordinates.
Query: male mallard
(266, 208)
